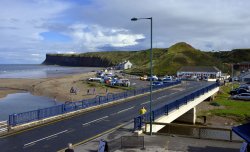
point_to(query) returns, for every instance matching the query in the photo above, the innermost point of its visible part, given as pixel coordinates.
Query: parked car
(157, 83)
(154, 78)
(166, 80)
(238, 91)
(244, 86)
(144, 78)
(123, 82)
(242, 96)
(95, 79)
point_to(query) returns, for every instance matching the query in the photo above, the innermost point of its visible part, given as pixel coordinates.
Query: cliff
(76, 60)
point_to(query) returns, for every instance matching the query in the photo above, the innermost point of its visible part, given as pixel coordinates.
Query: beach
(57, 88)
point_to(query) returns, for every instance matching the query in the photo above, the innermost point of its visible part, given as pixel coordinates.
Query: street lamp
(151, 71)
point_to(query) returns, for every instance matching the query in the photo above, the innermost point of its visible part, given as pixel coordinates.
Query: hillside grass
(240, 110)
(167, 61)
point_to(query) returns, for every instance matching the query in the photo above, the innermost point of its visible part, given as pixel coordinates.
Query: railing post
(153, 115)
(82, 103)
(63, 109)
(231, 136)
(199, 133)
(167, 109)
(135, 123)
(38, 114)
(10, 122)
(14, 119)
(140, 124)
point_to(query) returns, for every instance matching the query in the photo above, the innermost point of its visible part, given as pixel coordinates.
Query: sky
(31, 28)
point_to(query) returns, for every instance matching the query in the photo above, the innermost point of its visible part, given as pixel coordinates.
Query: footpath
(157, 143)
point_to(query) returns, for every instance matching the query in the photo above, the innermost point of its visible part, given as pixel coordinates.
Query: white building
(211, 72)
(124, 65)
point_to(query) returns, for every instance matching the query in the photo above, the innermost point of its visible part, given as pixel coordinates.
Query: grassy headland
(167, 60)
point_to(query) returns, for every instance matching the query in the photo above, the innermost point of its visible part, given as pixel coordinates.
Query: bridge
(90, 124)
(183, 109)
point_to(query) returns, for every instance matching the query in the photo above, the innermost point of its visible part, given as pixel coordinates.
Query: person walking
(143, 111)
(70, 148)
(88, 92)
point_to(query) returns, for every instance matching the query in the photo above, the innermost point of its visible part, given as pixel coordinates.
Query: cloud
(45, 26)
(93, 36)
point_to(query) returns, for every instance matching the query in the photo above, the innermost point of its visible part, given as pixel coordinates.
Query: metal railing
(126, 142)
(164, 110)
(25, 117)
(201, 132)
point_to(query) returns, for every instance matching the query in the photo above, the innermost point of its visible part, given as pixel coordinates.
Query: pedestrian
(106, 90)
(88, 91)
(94, 91)
(70, 148)
(143, 111)
(106, 148)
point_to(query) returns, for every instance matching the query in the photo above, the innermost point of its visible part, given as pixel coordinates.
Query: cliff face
(76, 61)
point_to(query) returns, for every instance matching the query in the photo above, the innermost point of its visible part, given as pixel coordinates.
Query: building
(124, 65)
(210, 72)
(243, 66)
(245, 77)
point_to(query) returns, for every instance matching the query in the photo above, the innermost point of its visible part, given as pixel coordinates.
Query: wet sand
(57, 88)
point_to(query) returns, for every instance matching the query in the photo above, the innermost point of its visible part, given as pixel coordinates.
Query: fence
(126, 142)
(24, 117)
(164, 110)
(201, 132)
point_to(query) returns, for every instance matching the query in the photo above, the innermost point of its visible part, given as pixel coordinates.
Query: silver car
(242, 96)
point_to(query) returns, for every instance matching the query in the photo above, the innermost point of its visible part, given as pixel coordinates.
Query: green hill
(167, 60)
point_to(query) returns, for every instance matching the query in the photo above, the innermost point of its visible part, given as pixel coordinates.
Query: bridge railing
(29, 116)
(164, 110)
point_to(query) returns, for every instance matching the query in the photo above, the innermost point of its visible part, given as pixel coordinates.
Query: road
(55, 136)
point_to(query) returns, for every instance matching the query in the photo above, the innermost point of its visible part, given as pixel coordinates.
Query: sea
(25, 101)
(39, 70)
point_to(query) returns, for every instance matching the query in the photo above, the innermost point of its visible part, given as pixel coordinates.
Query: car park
(242, 96)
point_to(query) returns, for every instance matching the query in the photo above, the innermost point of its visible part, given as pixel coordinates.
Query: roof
(243, 131)
(199, 69)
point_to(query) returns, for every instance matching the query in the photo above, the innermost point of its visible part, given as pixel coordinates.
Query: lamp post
(151, 71)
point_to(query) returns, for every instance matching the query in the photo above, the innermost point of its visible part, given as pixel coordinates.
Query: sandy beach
(57, 88)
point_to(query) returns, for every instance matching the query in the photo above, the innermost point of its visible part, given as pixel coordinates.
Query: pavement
(157, 143)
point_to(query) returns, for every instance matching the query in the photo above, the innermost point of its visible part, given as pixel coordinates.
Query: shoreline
(56, 88)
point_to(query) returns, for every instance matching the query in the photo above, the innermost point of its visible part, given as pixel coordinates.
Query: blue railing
(164, 110)
(24, 117)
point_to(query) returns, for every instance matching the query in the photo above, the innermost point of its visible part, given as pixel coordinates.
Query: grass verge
(237, 109)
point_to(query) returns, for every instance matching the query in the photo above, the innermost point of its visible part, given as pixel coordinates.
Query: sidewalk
(159, 143)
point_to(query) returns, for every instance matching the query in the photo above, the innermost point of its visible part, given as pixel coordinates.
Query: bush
(215, 104)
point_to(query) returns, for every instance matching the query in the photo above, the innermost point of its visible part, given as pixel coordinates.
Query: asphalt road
(53, 137)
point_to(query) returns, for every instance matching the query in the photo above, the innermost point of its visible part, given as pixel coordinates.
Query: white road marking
(125, 110)
(145, 102)
(33, 142)
(95, 120)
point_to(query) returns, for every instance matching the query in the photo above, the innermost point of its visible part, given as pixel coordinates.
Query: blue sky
(31, 28)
